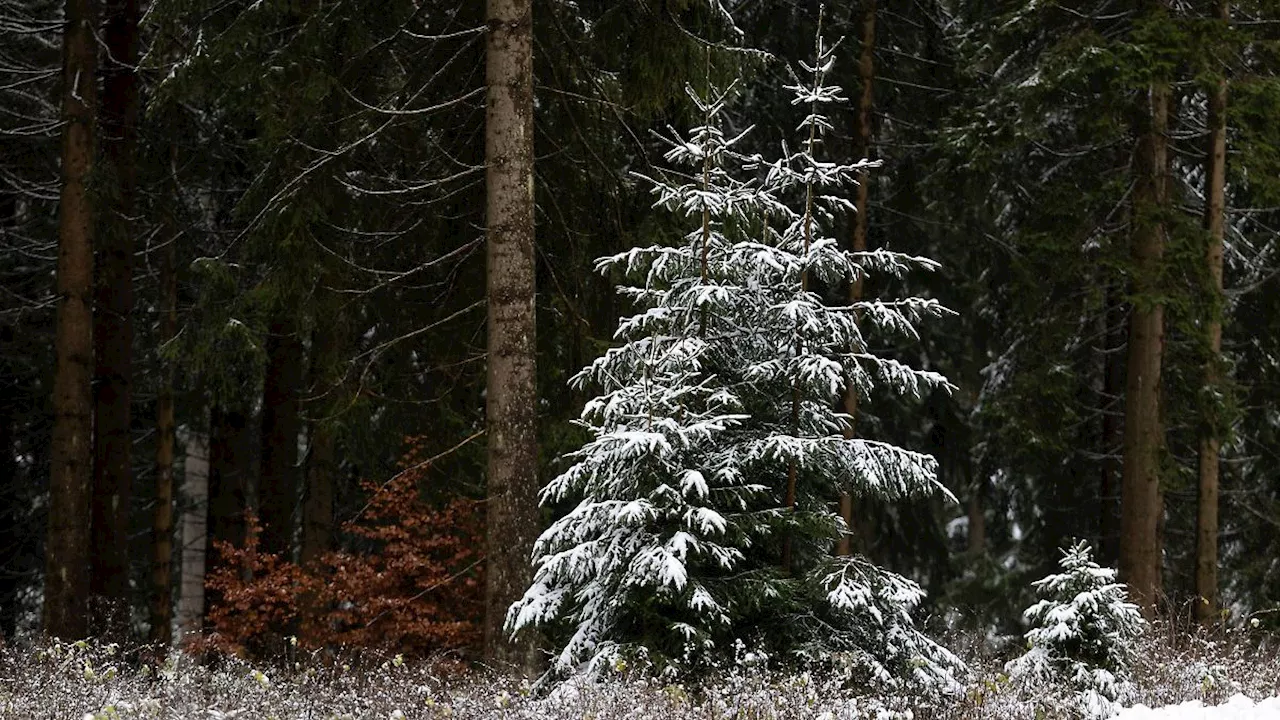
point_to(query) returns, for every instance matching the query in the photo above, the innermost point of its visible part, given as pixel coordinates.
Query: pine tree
(704, 510)
(1082, 631)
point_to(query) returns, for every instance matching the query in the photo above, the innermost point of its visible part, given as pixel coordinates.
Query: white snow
(1238, 707)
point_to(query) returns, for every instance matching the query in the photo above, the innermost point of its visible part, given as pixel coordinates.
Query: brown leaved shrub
(419, 590)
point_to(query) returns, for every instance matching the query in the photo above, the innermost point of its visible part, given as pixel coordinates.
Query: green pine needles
(702, 520)
(1082, 631)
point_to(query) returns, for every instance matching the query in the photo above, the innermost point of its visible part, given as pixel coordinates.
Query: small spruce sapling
(1082, 631)
(703, 503)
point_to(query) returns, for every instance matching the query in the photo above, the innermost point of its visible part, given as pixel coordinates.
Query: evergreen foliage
(716, 453)
(1083, 630)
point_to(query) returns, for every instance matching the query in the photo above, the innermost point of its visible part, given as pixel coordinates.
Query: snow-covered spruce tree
(1082, 631)
(703, 510)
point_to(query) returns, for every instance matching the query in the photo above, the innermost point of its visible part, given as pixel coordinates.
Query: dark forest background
(287, 337)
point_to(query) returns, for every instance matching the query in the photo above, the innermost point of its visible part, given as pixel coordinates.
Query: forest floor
(1182, 675)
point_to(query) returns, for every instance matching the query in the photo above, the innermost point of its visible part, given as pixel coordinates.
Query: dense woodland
(291, 293)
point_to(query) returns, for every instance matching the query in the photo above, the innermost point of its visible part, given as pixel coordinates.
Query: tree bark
(11, 509)
(162, 521)
(1112, 470)
(113, 328)
(230, 465)
(66, 582)
(1211, 434)
(511, 395)
(281, 423)
(321, 461)
(195, 537)
(862, 147)
(1141, 499)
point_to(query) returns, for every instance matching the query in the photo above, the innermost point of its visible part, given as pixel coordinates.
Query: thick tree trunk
(162, 521)
(66, 581)
(1141, 499)
(1211, 437)
(281, 423)
(511, 394)
(113, 328)
(195, 524)
(862, 147)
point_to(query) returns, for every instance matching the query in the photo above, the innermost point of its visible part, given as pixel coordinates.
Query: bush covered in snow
(1082, 631)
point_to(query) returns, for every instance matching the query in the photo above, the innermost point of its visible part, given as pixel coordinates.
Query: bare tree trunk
(195, 523)
(66, 581)
(1112, 429)
(511, 395)
(1141, 499)
(162, 521)
(977, 522)
(230, 465)
(113, 327)
(1210, 440)
(281, 424)
(11, 510)
(321, 462)
(862, 147)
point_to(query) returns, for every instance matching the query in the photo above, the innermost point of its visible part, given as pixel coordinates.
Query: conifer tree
(1082, 631)
(703, 514)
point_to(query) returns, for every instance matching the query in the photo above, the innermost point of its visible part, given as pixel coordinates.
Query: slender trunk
(230, 465)
(162, 520)
(1211, 437)
(11, 508)
(321, 462)
(511, 400)
(1112, 429)
(195, 537)
(861, 149)
(281, 424)
(66, 580)
(1141, 499)
(113, 328)
(977, 522)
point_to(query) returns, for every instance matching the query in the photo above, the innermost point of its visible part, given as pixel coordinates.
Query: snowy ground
(1238, 707)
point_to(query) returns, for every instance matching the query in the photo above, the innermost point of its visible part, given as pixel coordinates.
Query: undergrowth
(92, 681)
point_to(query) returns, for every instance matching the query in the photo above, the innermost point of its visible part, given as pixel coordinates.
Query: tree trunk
(281, 423)
(113, 328)
(511, 394)
(321, 461)
(862, 147)
(162, 522)
(66, 581)
(1211, 433)
(1141, 500)
(11, 509)
(977, 522)
(195, 524)
(230, 466)
(1112, 429)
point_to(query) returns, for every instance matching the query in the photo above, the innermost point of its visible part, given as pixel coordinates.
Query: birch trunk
(195, 519)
